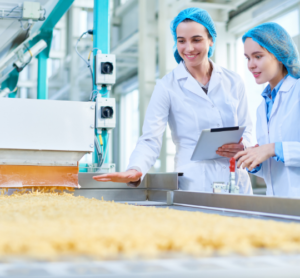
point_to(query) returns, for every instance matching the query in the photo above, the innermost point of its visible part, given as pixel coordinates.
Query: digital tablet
(211, 139)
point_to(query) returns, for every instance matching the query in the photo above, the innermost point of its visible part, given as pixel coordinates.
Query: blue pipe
(101, 40)
(59, 9)
(42, 81)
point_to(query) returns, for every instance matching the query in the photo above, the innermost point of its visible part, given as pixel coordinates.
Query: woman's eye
(247, 58)
(180, 41)
(257, 57)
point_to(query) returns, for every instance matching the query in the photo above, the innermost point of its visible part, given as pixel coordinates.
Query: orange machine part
(27, 176)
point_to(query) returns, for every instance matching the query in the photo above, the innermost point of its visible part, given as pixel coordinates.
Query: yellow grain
(49, 225)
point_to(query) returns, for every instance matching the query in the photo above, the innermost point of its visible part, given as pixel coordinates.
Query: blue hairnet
(197, 15)
(277, 41)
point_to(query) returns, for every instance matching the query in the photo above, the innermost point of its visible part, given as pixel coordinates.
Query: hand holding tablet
(211, 140)
(230, 150)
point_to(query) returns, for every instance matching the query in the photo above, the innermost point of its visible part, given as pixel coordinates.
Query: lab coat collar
(216, 76)
(287, 84)
(285, 87)
(181, 72)
(191, 83)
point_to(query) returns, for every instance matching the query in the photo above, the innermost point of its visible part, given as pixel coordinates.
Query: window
(290, 22)
(56, 40)
(129, 126)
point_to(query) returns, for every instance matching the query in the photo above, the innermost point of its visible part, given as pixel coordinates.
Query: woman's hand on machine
(122, 177)
(230, 150)
(252, 157)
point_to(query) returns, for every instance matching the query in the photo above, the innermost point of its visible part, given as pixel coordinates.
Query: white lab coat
(180, 101)
(282, 179)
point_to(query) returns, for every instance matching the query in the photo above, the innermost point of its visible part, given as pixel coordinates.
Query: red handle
(232, 165)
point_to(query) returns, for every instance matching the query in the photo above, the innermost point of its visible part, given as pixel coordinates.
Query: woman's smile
(191, 56)
(256, 74)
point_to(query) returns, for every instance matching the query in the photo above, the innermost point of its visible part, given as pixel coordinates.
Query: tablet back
(211, 139)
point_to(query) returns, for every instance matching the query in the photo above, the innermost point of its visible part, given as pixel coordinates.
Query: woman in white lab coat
(198, 94)
(273, 58)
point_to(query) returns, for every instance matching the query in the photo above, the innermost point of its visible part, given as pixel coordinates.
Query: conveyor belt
(231, 267)
(223, 212)
(174, 266)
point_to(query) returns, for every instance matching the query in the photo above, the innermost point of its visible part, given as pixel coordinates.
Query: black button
(106, 112)
(107, 68)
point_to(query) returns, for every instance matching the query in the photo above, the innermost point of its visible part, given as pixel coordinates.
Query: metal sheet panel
(114, 194)
(37, 157)
(86, 181)
(167, 181)
(262, 204)
(46, 125)
(157, 195)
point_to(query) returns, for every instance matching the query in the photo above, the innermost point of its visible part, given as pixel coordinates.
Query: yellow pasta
(51, 225)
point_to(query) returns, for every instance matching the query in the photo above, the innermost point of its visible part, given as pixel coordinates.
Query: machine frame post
(42, 81)
(101, 41)
(59, 9)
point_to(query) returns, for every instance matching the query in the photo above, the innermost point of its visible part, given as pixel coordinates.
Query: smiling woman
(273, 57)
(198, 94)
(193, 49)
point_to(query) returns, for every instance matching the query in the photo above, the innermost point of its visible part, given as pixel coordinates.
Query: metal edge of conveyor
(117, 195)
(163, 187)
(165, 181)
(86, 181)
(263, 205)
(154, 187)
(239, 213)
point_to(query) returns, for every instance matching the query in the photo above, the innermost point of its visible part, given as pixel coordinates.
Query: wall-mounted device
(105, 113)
(31, 10)
(105, 69)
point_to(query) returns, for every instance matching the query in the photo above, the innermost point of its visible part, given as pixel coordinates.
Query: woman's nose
(190, 47)
(251, 64)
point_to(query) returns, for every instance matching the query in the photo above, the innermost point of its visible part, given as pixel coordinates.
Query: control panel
(105, 113)
(105, 69)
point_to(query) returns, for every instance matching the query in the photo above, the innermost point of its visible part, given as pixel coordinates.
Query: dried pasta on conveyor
(51, 225)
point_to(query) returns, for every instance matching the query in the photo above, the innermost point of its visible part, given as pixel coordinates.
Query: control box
(105, 69)
(105, 113)
(31, 10)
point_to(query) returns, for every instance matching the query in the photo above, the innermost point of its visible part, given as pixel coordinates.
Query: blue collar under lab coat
(270, 96)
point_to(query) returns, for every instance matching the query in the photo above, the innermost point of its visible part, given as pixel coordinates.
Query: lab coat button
(218, 125)
(212, 106)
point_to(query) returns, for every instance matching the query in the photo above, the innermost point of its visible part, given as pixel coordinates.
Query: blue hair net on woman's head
(197, 15)
(277, 41)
